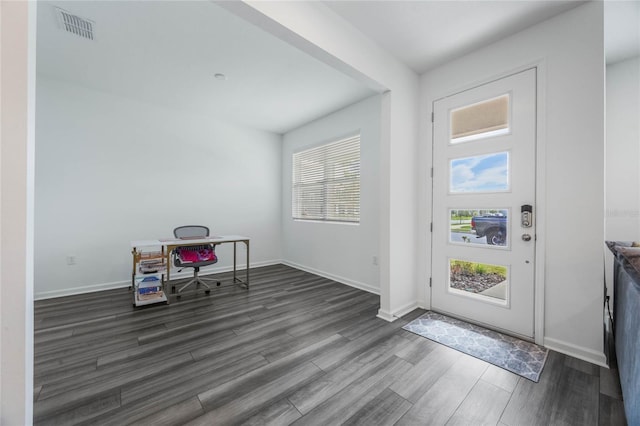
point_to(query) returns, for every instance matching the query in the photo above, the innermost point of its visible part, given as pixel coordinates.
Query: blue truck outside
(494, 227)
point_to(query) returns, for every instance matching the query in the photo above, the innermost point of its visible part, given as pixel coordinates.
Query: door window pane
(479, 227)
(483, 173)
(479, 280)
(480, 120)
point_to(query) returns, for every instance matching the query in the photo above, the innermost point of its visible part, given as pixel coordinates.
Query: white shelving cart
(148, 275)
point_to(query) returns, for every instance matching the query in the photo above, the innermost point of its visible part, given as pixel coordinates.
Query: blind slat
(326, 182)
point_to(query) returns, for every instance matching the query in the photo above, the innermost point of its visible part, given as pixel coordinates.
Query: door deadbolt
(526, 216)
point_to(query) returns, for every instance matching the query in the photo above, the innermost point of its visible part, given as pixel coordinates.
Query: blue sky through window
(485, 173)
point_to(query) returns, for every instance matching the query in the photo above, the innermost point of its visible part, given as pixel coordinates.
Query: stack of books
(151, 266)
(151, 262)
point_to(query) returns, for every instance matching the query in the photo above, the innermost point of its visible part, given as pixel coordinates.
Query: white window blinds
(482, 118)
(326, 182)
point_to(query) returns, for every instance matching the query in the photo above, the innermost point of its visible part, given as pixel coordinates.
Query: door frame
(540, 192)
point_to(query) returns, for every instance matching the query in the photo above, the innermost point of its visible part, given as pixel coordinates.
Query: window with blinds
(326, 182)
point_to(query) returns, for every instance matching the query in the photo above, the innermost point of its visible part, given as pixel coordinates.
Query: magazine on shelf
(148, 281)
(152, 270)
(149, 290)
(152, 267)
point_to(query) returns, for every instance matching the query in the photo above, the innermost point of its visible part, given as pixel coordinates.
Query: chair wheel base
(207, 291)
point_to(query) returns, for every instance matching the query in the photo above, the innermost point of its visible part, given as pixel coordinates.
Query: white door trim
(541, 206)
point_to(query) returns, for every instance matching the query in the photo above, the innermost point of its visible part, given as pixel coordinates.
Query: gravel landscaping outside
(474, 283)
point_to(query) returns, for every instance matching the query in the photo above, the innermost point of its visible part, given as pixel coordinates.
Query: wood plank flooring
(294, 349)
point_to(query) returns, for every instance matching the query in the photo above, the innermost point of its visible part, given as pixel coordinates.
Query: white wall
(17, 84)
(340, 251)
(569, 52)
(623, 151)
(314, 28)
(110, 170)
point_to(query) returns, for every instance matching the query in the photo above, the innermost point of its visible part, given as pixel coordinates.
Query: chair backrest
(190, 231)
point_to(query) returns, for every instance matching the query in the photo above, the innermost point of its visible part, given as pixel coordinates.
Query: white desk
(169, 244)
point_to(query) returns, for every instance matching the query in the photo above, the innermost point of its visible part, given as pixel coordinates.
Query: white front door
(484, 203)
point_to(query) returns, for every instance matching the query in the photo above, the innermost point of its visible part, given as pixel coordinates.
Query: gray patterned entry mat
(523, 358)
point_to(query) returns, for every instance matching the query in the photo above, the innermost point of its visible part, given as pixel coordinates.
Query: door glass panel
(480, 120)
(479, 280)
(482, 173)
(479, 227)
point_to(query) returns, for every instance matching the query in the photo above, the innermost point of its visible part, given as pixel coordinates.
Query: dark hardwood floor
(295, 349)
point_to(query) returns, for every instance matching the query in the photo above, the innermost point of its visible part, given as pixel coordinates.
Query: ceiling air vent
(75, 25)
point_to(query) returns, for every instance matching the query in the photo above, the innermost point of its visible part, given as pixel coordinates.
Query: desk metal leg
(168, 257)
(245, 283)
(234, 263)
(134, 253)
(247, 244)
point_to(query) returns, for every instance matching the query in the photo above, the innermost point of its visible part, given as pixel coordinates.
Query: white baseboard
(81, 290)
(404, 310)
(397, 313)
(386, 316)
(342, 280)
(121, 284)
(589, 355)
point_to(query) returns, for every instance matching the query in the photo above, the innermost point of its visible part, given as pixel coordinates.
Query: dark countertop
(628, 256)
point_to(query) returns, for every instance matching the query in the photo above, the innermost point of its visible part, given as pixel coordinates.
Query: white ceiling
(425, 34)
(621, 30)
(167, 52)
